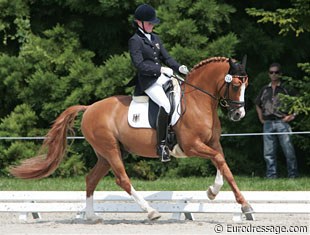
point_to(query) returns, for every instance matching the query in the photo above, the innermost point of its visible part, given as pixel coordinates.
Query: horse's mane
(209, 60)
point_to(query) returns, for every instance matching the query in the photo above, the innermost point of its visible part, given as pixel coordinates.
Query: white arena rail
(175, 202)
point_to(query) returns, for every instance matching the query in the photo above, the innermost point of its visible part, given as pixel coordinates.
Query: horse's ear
(231, 63)
(244, 59)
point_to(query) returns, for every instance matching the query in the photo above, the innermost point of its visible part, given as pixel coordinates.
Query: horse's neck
(201, 109)
(207, 78)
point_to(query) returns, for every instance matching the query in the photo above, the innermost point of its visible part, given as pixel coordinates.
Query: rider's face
(148, 27)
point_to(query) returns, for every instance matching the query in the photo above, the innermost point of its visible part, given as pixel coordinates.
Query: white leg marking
(152, 213)
(218, 183)
(89, 210)
(140, 200)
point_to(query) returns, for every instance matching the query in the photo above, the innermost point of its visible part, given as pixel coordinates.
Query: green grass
(182, 184)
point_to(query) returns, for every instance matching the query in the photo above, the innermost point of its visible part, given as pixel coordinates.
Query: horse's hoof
(248, 211)
(153, 215)
(210, 194)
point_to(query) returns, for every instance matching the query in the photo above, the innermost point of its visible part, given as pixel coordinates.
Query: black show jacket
(147, 57)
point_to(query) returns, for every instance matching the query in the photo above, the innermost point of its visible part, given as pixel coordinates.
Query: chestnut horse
(105, 126)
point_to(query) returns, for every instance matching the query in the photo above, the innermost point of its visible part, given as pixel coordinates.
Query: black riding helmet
(145, 12)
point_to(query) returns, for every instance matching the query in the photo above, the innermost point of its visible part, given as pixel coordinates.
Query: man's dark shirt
(269, 102)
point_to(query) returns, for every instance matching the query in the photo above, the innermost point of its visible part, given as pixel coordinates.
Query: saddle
(143, 111)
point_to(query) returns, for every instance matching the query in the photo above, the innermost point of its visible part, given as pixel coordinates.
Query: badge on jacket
(157, 45)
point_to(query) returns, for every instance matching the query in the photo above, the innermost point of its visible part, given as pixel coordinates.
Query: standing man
(275, 120)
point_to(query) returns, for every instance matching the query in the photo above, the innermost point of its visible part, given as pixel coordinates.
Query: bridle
(225, 101)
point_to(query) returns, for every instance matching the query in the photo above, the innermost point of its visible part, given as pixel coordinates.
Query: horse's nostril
(235, 115)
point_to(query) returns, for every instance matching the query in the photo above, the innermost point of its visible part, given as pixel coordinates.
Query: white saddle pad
(139, 107)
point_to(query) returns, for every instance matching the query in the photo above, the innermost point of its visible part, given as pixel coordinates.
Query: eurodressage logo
(136, 117)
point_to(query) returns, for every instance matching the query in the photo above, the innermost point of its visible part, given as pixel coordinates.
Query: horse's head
(236, 80)
(221, 83)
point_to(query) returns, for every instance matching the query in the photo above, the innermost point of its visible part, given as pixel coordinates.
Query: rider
(147, 53)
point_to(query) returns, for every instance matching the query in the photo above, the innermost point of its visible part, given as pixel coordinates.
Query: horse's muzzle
(236, 114)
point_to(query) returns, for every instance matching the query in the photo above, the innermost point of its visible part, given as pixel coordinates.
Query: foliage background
(54, 54)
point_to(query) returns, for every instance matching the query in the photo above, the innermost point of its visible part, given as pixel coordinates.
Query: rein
(224, 102)
(197, 88)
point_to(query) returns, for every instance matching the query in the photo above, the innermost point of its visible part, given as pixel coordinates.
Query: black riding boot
(161, 126)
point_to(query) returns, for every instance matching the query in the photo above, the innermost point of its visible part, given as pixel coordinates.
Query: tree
(193, 32)
(295, 18)
(47, 70)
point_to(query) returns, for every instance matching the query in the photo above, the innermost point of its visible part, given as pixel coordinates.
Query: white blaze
(242, 92)
(241, 99)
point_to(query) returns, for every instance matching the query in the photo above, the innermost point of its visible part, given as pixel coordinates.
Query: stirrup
(163, 153)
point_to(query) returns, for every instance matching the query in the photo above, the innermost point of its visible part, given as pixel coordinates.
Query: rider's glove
(183, 69)
(167, 71)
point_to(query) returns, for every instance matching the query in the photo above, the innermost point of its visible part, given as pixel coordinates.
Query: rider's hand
(183, 69)
(167, 71)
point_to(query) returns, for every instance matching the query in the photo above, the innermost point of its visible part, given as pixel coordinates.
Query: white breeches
(157, 94)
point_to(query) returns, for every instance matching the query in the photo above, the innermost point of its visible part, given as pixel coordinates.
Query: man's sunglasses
(274, 72)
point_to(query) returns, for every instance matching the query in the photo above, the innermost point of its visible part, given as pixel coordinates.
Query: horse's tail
(55, 145)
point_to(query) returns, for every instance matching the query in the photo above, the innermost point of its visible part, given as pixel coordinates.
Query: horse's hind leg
(101, 169)
(112, 154)
(123, 181)
(152, 213)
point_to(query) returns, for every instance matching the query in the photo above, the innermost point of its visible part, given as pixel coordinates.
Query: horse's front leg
(221, 164)
(204, 151)
(214, 189)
